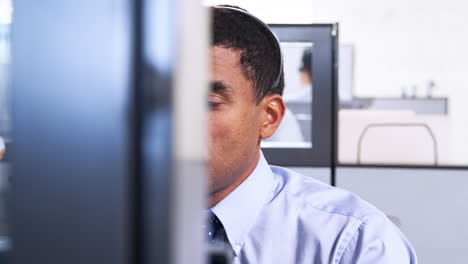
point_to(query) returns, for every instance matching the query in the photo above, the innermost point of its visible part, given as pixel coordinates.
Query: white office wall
(274, 11)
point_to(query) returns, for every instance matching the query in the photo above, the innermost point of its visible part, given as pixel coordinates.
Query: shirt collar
(239, 210)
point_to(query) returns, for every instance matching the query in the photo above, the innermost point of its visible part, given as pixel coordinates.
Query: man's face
(235, 121)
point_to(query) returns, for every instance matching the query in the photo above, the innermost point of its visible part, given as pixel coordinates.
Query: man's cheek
(218, 128)
(215, 132)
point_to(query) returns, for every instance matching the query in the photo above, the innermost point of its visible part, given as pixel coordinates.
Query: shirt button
(237, 248)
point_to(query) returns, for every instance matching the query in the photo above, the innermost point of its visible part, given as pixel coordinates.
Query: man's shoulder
(322, 197)
(340, 221)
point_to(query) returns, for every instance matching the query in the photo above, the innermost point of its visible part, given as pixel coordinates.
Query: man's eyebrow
(220, 88)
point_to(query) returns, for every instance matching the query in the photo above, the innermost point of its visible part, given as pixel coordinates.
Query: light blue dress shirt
(278, 216)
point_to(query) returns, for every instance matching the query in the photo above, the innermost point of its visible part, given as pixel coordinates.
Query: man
(304, 94)
(269, 214)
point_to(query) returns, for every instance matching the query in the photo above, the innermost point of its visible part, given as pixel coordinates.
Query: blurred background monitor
(295, 129)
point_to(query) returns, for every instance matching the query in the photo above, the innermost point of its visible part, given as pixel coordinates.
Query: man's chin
(214, 185)
(211, 182)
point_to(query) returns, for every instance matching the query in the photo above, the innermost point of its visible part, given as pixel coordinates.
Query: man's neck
(218, 196)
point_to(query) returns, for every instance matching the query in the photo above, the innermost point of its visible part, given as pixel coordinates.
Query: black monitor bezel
(324, 107)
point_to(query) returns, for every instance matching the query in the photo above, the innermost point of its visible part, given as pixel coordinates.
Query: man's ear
(273, 109)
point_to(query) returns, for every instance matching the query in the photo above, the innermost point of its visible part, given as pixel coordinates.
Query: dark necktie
(215, 230)
(221, 252)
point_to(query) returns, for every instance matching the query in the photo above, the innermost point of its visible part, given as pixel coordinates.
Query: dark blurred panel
(71, 131)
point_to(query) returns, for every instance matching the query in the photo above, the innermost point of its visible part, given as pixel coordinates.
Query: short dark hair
(260, 58)
(306, 61)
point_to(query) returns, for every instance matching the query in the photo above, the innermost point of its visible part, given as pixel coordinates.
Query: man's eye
(213, 105)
